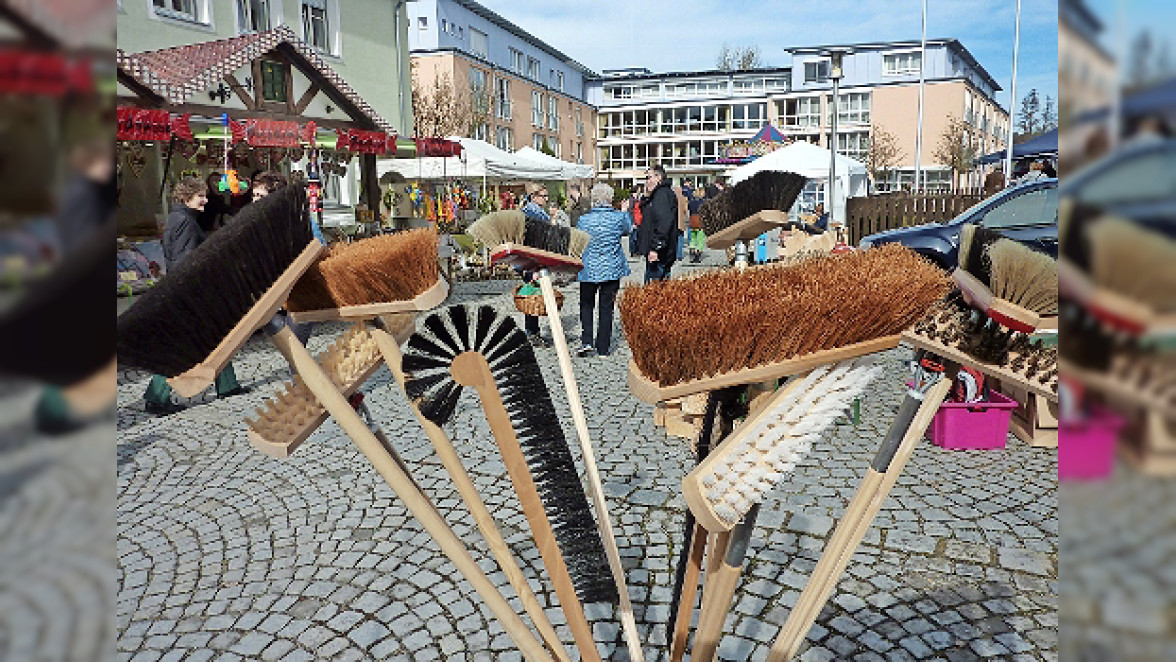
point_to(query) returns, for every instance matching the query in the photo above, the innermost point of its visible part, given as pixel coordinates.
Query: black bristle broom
(244, 272)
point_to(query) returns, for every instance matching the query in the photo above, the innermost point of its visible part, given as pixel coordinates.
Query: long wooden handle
(716, 602)
(595, 488)
(471, 368)
(469, 494)
(319, 384)
(853, 527)
(689, 593)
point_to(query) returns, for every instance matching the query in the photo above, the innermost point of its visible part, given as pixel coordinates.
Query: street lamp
(836, 57)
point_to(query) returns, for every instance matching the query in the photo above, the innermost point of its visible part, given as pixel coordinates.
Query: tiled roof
(177, 73)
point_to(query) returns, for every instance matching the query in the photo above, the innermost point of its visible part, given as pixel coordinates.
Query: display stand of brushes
(195, 314)
(536, 246)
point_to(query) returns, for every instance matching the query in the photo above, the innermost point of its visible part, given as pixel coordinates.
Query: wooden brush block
(427, 300)
(1005, 374)
(533, 259)
(1122, 384)
(682, 425)
(694, 405)
(648, 390)
(1154, 452)
(1035, 419)
(284, 423)
(749, 228)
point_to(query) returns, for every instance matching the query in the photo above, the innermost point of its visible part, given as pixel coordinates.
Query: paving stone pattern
(226, 553)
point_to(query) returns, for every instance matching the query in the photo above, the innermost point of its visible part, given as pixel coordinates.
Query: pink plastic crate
(972, 425)
(1086, 449)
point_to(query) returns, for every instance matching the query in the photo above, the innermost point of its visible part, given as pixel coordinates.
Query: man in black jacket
(658, 239)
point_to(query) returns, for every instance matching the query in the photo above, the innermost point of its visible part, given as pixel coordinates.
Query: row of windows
(669, 155)
(697, 88)
(544, 107)
(523, 65)
(685, 119)
(504, 140)
(257, 16)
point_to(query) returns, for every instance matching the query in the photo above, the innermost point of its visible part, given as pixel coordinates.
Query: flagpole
(922, 85)
(1013, 98)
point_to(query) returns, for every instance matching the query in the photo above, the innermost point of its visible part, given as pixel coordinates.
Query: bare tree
(725, 60)
(1049, 115)
(739, 58)
(438, 110)
(884, 152)
(1029, 119)
(749, 58)
(955, 148)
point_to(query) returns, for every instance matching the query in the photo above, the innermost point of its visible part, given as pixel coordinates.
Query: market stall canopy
(479, 159)
(570, 170)
(805, 158)
(769, 134)
(1044, 145)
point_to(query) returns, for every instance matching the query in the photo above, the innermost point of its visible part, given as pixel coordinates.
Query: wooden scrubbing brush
(1133, 273)
(740, 327)
(1010, 284)
(539, 246)
(380, 275)
(246, 270)
(493, 356)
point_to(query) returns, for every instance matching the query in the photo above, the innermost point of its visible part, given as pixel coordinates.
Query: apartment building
(536, 92)
(684, 119)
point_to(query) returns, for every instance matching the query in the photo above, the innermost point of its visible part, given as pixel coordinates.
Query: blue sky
(1158, 16)
(665, 35)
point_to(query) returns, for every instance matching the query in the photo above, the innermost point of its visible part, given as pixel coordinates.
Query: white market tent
(478, 159)
(805, 158)
(570, 170)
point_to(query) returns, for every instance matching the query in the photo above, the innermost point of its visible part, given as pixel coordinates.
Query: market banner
(180, 127)
(437, 147)
(272, 133)
(365, 142)
(44, 74)
(143, 124)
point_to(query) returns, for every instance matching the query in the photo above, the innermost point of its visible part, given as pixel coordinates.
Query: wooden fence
(899, 210)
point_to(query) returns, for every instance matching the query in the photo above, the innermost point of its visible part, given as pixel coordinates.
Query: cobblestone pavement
(1118, 602)
(226, 553)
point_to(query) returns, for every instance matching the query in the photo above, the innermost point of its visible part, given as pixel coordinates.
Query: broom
(493, 356)
(749, 209)
(199, 314)
(538, 246)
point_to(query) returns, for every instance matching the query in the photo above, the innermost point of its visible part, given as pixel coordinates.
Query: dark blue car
(1027, 213)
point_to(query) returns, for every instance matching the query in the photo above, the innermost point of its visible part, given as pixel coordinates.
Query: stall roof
(479, 159)
(569, 170)
(1046, 143)
(174, 75)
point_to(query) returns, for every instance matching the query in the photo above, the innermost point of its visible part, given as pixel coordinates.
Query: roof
(688, 74)
(523, 34)
(175, 74)
(69, 23)
(1077, 11)
(953, 44)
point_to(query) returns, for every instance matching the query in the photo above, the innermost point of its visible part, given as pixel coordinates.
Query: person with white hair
(604, 267)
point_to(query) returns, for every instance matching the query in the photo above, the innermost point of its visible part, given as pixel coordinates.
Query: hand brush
(493, 356)
(725, 328)
(543, 247)
(911, 421)
(725, 491)
(246, 270)
(1133, 272)
(749, 209)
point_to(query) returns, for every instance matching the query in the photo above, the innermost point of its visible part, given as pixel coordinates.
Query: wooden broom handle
(852, 528)
(471, 369)
(337, 406)
(689, 593)
(595, 488)
(469, 494)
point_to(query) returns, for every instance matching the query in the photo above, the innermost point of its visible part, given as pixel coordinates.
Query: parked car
(1027, 213)
(1137, 181)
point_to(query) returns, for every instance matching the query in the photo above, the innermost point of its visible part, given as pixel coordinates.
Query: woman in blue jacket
(604, 266)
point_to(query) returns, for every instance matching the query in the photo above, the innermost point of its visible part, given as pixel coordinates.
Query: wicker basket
(532, 304)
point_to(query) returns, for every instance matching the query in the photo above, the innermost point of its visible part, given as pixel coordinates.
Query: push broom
(537, 246)
(456, 350)
(193, 320)
(384, 280)
(743, 327)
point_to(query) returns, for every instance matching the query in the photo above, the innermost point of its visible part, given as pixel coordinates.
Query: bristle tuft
(973, 251)
(1024, 277)
(577, 242)
(500, 227)
(768, 189)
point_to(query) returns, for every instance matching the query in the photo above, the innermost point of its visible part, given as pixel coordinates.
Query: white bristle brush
(762, 451)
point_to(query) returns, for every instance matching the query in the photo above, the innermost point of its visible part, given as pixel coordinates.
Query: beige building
(1086, 72)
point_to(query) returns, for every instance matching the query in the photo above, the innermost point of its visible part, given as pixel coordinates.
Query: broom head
(765, 190)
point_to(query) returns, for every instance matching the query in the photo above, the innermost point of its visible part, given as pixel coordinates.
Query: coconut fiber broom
(199, 314)
(543, 247)
(493, 356)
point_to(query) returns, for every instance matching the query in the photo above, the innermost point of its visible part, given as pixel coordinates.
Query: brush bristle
(1024, 276)
(687, 329)
(179, 322)
(383, 269)
(525, 396)
(973, 251)
(500, 227)
(577, 242)
(1134, 262)
(767, 189)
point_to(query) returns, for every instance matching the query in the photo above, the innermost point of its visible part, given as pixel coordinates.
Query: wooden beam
(241, 92)
(289, 78)
(306, 98)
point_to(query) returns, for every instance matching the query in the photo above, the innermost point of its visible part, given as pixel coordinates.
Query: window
(504, 139)
(559, 81)
(579, 123)
(537, 141)
(314, 24)
(1038, 207)
(580, 153)
(444, 25)
(895, 64)
(502, 99)
(273, 81)
(481, 132)
(801, 113)
(478, 89)
(253, 15)
(1148, 177)
(186, 10)
(854, 145)
(533, 69)
(479, 44)
(552, 113)
(537, 108)
(748, 116)
(816, 72)
(852, 108)
(517, 62)
(423, 23)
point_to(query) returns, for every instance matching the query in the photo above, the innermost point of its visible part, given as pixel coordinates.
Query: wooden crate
(1153, 452)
